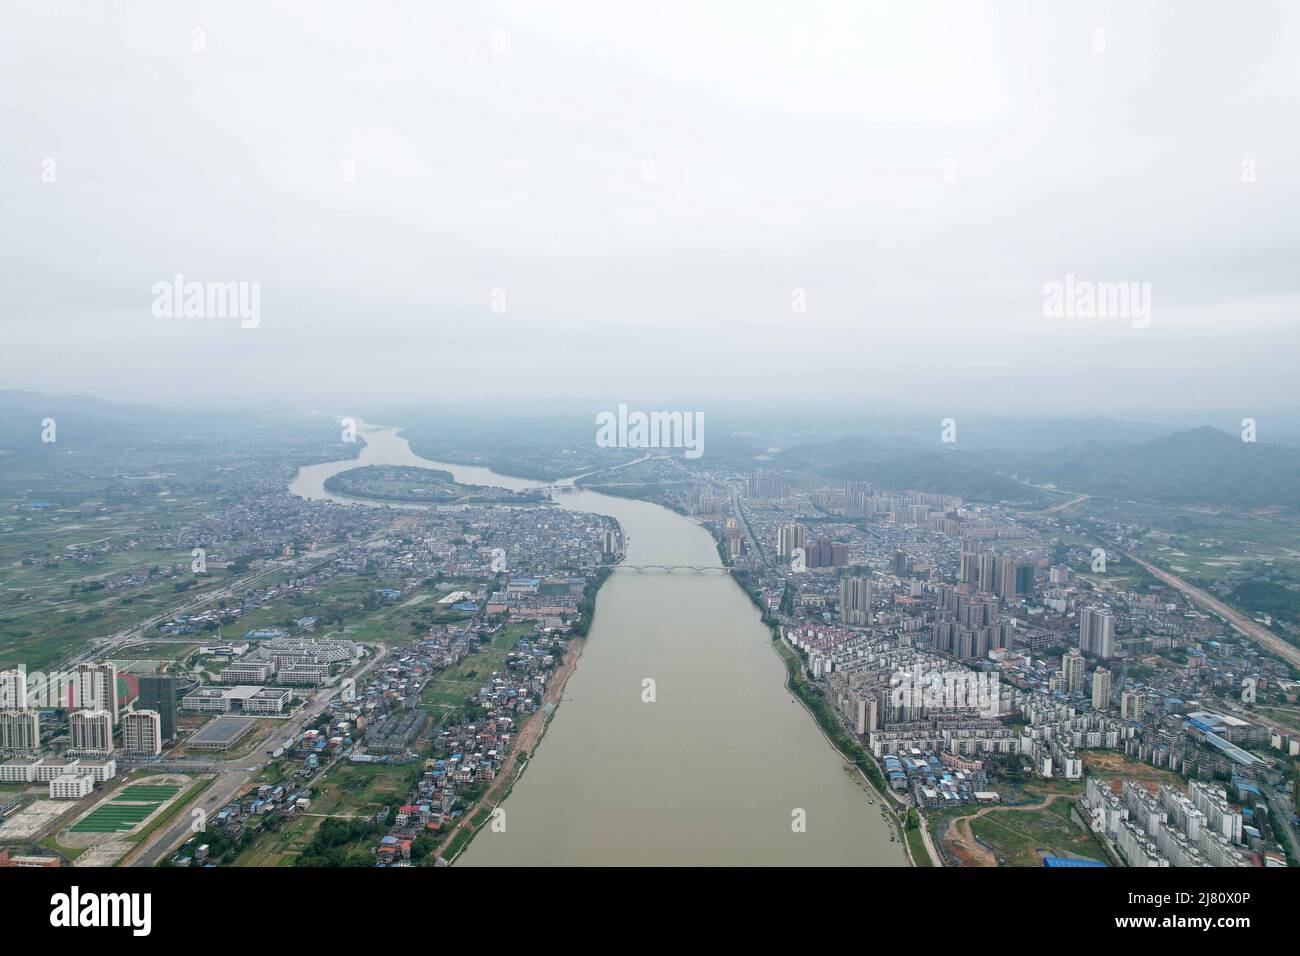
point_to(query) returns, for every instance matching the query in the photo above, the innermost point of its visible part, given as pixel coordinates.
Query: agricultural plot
(55, 574)
(1206, 546)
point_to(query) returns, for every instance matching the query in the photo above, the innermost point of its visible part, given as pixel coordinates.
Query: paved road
(235, 775)
(1282, 809)
(755, 547)
(1256, 632)
(1079, 497)
(1067, 505)
(1250, 629)
(936, 858)
(102, 648)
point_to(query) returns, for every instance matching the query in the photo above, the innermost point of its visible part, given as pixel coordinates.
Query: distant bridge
(672, 569)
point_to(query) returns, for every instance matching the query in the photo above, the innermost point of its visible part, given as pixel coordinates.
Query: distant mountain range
(92, 421)
(1021, 436)
(890, 463)
(1098, 456)
(948, 472)
(1200, 466)
(22, 414)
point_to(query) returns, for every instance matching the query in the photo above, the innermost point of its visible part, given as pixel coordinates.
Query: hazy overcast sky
(649, 184)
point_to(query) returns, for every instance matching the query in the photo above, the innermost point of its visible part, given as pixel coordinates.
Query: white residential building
(94, 687)
(18, 771)
(90, 733)
(44, 770)
(1097, 632)
(142, 733)
(20, 731)
(1220, 816)
(71, 787)
(13, 689)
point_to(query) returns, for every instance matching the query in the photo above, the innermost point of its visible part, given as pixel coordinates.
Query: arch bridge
(672, 569)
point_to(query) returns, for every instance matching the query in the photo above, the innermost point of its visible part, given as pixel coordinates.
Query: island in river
(715, 767)
(406, 484)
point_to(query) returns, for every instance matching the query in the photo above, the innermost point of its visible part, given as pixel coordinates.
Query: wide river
(715, 768)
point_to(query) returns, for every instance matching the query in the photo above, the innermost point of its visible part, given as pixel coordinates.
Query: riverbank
(850, 751)
(530, 734)
(684, 778)
(525, 746)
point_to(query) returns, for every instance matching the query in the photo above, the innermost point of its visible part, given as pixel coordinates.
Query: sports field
(127, 809)
(147, 792)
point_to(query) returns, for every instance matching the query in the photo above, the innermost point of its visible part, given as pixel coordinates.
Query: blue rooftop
(1062, 861)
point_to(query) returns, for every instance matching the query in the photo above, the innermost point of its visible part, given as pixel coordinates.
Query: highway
(1282, 811)
(1248, 628)
(234, 776)
(102, 648)
(1256, 632)
(754, 546)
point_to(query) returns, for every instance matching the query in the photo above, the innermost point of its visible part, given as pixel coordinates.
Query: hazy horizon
(800, 422)
(692, 433)
(652, 193)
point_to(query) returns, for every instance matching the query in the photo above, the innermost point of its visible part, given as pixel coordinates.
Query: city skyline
(697, 434)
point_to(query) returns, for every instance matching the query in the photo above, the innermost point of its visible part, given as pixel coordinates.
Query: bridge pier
(673, 568)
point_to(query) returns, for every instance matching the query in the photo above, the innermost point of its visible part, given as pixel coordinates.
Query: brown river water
(714, 769)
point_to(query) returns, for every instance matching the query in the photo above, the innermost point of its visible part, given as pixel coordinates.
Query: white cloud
(790, 146)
